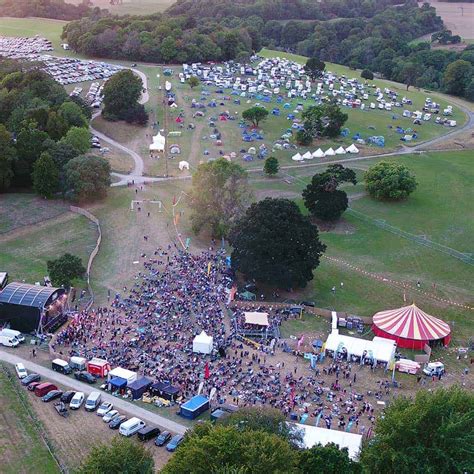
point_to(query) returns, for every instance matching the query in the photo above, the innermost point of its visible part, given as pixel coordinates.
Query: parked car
(20, 370)
(93, 401)
(61, 366)
(148, 432)
(30, 379)
(12, 333)
(312, 304)
(132, 426)
(43, 388)
(32, 386)
(176, 440)
(104, 408)
(164, 437)
(76, 401)
(116, 422)
(52, 395)
(110, 415)
(66, 397)
(85, 377)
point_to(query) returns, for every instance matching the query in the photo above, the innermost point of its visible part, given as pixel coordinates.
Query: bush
(366, 74)
(388, 180)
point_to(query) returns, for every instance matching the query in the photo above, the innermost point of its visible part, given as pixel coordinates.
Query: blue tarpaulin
(139, 387)
(118, 382)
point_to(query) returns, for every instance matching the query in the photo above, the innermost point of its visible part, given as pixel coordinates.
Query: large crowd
(175, 297)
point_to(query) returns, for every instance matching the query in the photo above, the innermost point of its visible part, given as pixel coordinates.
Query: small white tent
(158, 143)
(340, 151)
(297, 157)
(352, 149)
(202, 343)
(307, 156)
(319, 153)
(183, 165)
(330, 152)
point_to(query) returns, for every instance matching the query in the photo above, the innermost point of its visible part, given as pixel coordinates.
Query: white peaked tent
(183, 165)
(352, 149)
(308, 156)
(340, 151)
(297, 157)
(319, 153)
(158, 143)
(202, 343)
(330, 152)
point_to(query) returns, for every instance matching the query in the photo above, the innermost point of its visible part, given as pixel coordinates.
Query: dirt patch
(463, 141)
(275, 193)
(338, 227)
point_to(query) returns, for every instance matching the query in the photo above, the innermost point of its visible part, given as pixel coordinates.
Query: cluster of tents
(319, 153)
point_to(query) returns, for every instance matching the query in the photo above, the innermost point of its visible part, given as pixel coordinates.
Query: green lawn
(21, 448)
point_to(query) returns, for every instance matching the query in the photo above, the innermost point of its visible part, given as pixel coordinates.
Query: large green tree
(275, 244)
(121, 456)
(121, 95)
(219, 196)
(87, 178)
(322, 198)
(314, 68)
(65, 269)
(79, 138)
(271, 166)
(255, 115)
(457, 77)
(432, 433)
(45, 176)
(327, 459)
(208, 449)
(325, 120)
(389, 180)
(73, 115)
(7, 157)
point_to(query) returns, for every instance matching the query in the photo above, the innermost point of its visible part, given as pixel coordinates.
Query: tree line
(44, 137)
(57, 9)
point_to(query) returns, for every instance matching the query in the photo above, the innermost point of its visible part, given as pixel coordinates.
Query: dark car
(148, 432)
(85, 377)
(117, 421)
(32, 386)
(52, 395)
(66, 397)
(30, 379)
(164, 437)
(174, 443)
(312, 304)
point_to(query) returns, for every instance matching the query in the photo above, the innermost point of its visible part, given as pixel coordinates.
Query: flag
(188, 241)
(207, 374)
(300, 341)
(404, 297)
(208, 268)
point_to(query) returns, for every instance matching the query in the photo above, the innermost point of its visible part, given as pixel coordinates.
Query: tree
(314, 68)
(7, 157)
(219, 196)
(121, 95)
(255, 115)
(45, 176)
(275, 244)
(193, 82)
(79, 138)
(87, 178)
(409, 73)
(367, 74)
(469, 92)
(457, 76)
(65, 269)
(73, 115)
(328, 459)
(325, 120)
(435, 427)
(271, 166)
(121, 456)
(388, 180)
(219, 448)
(322, 198)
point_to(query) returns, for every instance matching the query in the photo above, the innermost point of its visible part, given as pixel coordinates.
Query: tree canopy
(219, 196)
(65, 269)
(389, 180)
(327, 459)
(45, 176)
(255, 115)
(275, 244)
(122, 456)
(428, 434)
(322, 198)
(271, 166)
(314, 68)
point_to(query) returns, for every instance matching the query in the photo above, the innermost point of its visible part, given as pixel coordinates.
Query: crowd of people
(175, 297)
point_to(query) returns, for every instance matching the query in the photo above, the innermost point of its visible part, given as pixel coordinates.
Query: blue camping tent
(117, 383)
(139, 387)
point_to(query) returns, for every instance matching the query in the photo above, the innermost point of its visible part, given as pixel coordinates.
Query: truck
(12, 333)
(434, 369)
(8, 341)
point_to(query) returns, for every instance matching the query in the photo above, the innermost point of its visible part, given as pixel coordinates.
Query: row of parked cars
(93, 403)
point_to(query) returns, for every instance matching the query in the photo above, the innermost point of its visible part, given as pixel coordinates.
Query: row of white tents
(321, 154)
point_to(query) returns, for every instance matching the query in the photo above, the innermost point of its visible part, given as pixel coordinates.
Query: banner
(208, 268)
(207, 374)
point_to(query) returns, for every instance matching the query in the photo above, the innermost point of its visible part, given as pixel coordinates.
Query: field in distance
(132, 7)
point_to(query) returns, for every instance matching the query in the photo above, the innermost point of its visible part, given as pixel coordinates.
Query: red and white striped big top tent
(411, 327)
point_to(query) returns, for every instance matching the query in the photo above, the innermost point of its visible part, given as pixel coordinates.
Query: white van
(76, 401)
(8, 341)
(93, 401)
(61, 366)
(131, 426)
(20, 370)
(12, 333)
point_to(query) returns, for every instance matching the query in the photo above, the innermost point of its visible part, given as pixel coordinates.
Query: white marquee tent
(319, 153)
(352, 149)
(297, 157)
(330, 152)
(308, 156)
(183, 165)
(203, 343)
(340, 151)
(158, 143)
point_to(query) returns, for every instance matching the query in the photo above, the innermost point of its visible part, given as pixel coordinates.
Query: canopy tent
(203, 344)
(319, 153)
(165, 390)
(139, 387)
(126, 374)
(259, 319)
(411, 327)
(158, 143)
(352, 149)
(117, 383)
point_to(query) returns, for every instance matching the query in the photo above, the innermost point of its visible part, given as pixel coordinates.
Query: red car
(31, 387)
(44, 388)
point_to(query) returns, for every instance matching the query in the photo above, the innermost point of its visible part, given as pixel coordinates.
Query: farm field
(22, 447)
(457, 16)
(132, 7)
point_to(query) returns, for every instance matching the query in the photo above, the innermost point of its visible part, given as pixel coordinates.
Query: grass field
(132, 7)
(22, 449)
